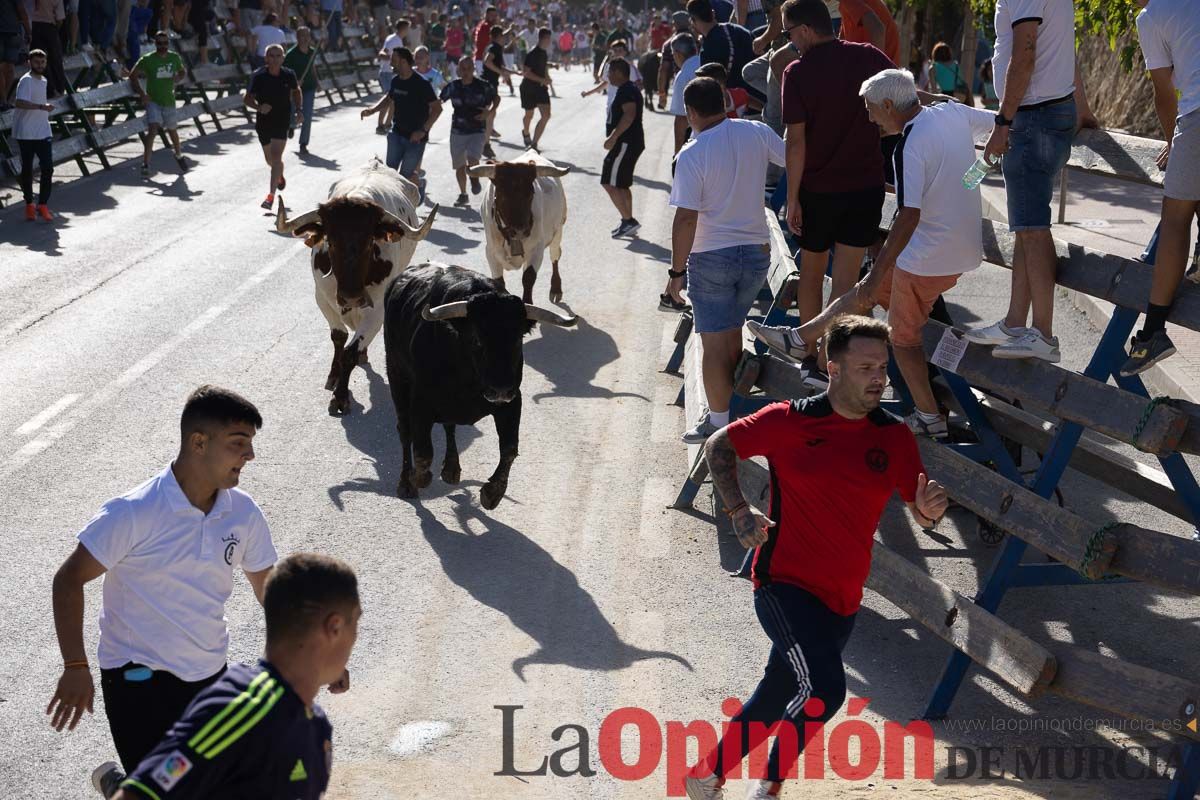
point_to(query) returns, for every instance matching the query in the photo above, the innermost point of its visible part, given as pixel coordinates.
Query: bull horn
(482, 171)
(415, 233)
(284, 225)
(549, 317)
(551, 171)
(455, 310)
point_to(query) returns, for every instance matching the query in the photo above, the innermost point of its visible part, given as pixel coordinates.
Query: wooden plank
(215, 72)
(1126, 689)
(1070, 396)
(990, 642)
(77, 61)
(338, 57)
(987, 494)
(1089, 457)
(1118, 155)
(231, 102)
(190, 111)
(62, 150)
(105, 137)
(103, 95)
(343, 81)
(985, 638)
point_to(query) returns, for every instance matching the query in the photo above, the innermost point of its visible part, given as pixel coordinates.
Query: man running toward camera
(274, 93)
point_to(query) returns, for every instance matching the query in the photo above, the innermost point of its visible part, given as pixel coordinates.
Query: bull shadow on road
(451, 243)
(504, 569)
(570, 360)
(372, 431)
(177, 189)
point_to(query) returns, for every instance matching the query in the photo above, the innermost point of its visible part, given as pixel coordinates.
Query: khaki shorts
(908, 299)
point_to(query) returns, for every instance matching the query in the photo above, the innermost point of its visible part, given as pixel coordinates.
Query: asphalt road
(579, 595)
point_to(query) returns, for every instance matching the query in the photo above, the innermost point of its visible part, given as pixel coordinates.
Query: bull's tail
(281, 220)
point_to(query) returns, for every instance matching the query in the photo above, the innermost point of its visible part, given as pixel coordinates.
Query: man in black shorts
(274, 92)
(256, 732)
(493, 71)
(625, 143)
(535, 88)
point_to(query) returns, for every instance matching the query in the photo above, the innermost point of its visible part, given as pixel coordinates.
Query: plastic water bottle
(978, 171)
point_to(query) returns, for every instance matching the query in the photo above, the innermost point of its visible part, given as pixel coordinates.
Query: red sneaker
(30, 212)
(270, 201)
(44, 213)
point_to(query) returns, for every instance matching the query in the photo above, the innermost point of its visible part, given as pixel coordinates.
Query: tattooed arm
(751, 528)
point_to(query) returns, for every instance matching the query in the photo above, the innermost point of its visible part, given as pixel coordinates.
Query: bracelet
(675, 274)
(72, 664)
(731, 511)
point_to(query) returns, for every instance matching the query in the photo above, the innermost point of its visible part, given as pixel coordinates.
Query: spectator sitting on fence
(933, 240)
(13, 21)
(275, 94)
(720, 234)
(835, 169)
(47, 16)
(264, 36)
(686, 56)
(31, 129)
(301, 59)
(724, 43)
(161, 70)
(1169, 33)
(1035, 80)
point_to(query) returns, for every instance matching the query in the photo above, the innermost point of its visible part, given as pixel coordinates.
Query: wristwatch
(1002, 120)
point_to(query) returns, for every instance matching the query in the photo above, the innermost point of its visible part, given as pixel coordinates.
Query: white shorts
(162, 117)
(1182, 181)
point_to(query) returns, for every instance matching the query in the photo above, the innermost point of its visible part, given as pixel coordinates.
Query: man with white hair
(934, 238)
(686, 56)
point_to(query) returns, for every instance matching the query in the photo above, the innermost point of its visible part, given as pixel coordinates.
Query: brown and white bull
(523, 209)
(362, 237)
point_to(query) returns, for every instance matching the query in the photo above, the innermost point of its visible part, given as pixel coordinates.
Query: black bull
(454, 356)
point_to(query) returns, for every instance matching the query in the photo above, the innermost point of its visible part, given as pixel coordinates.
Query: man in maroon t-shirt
(836, 459)
(835, 170)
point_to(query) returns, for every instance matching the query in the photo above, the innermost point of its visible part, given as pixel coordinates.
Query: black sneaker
(1146, 351)
(526, 138)
(627, 228)
(182, 163)
(303, 149)
(476, 188)
(668, 303)
(145, 169)
(462, 200)
(488, 151)
(107, 777)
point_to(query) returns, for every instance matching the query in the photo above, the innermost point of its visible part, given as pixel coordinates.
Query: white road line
(110, 390)
(46, 415)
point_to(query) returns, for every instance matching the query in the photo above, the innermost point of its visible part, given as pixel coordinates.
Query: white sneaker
(763, 790)
(107, 777)
(780, 339)
(1031, 344)
(699, 434)
(994, 334)
(703, 788)
(938, 429)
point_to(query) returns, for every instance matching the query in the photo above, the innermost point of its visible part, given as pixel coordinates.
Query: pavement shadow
(309, 159)
(661, 186)
(37, 237)
(372, 431)
(177, 189)
(451, 243)
(570, 359)
(575, 167)
(650, 249)
(503, 569)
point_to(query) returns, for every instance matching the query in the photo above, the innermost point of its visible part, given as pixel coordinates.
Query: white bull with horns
(524, 209)
(362, 237)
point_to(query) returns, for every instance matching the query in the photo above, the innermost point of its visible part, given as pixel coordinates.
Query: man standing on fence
(31, 129)
(274, 93)
(161, 70)
(836, 459)
(14, 21)
(1169, 33)
(302, 60)
(1035, 79)
(720, 235)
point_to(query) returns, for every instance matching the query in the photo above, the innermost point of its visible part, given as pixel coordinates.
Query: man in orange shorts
(935, 238)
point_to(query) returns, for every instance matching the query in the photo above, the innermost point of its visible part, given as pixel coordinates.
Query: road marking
(46, 415)
(417, 737)
(110, 390)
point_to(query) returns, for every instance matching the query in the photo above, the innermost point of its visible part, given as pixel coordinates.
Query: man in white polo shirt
(167, 550)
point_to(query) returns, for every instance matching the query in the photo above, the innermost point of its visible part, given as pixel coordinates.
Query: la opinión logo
(822, 749)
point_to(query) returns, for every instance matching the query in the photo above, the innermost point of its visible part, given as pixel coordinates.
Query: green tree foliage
(1109, 18)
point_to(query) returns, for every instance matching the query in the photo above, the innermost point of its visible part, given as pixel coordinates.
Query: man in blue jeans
(720, 233)
(1034, 68)
(415, 107)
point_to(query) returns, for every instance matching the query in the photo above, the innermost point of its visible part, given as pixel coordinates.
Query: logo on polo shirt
(171, 769)
(231, 543)
(877, 460)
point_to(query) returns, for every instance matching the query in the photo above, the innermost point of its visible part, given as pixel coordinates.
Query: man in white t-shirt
(168, 550)
(394, 40)
(265, 35)
(720, 235)
(1034, 69)
(935, 237)
(687, 60)
(31, 129)
(1169, 33)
